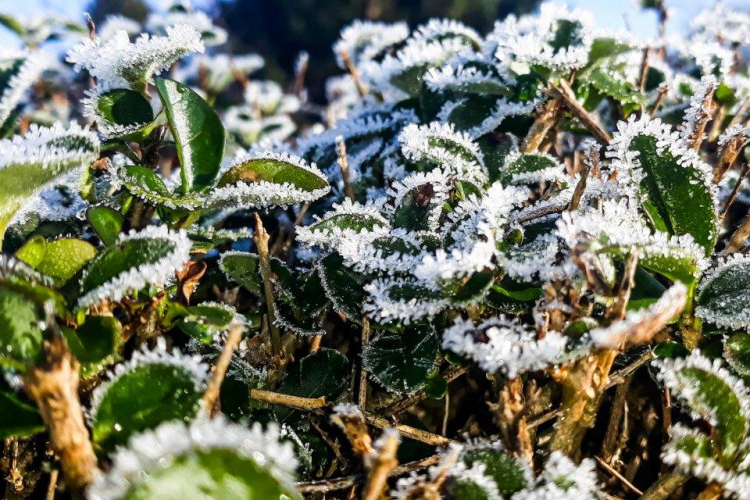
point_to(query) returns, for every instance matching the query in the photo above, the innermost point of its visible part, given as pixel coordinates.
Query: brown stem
(712, 492)
(665, 486)
(296, 402)
(695, 139)
(644, 69)
(383, 464)
(617, 475)
(53, 385)
(613, 429)
(512, 421)
(362, 391)
(343, 162)
(261, 243)
(739, 237)
(408, 431)
(353, 72)
(211, 396)
(545, 120)
(566, 95)
(663, 91)
(735, 191)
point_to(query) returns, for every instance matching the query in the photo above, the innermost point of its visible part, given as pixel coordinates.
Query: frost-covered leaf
(206, 458)
(442, 145)
(267, 178)
(737, 353)
(530, 168)
(606, 47)
(321, 374)
(18, 72)
(403, 300)
(147, 185)
(118, 63)
(402, 362)
(418, 201)
(197, 131)
(674, 184)
(148, 257)
(120, 113)
(31, 162)
(712, 394)
(502, 345)
(724, 294)
(343, 286)
(345, 220)
(18, 418)
(151, 388)
(208, 320)
(107, 222)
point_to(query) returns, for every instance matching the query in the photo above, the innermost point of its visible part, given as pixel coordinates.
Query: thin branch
(353, 72)
(565, 94)
(665, 486)
(408, 431)
(735, 191)
(261, 242)
(345, 482)
(644, 69)
(663, 91)
(619, 476)
(362, 391)
(211, 396)
(739, 237)
(296, 402)
(343, 162)
(383, 464)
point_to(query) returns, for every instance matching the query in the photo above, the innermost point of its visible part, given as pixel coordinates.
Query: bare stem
(545, 120)
(343, 162)
(665, 486)
(735, 191)
(565, 94)
(261, 243)
(362, 391)
(739, 237)
(211, 396)
(408, 431)
(54, 387)
(353, 72)
(296, 402)
(383, 464)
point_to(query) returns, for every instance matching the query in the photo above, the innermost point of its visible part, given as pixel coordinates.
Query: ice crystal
(26, 70)
(118, 63)
(160, 22)
(190, 365)
(153, 273)
(383, 306)
(152, 451)
(368, 40)
(499, 344)
(562, 479)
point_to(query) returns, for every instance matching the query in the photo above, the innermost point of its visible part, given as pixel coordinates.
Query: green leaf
(197, 131)
(402, 362)
(116, 270)
(12, 24)
(737, 353)
(567, 34)
(614, 85)
(724, 294)
(65, 257)
(528, 168)
(670, 349)
(215, 473)
(343, 286)
(107, 222)
(32, 252)
(419, 209)
(96, 339)
(324, 373)
(677, 196)
(124, 107)
(205, 321)
(23, 177)
(509, 475)
(18, 418)
(20, 334)
(606, 47)
(276, 170)
(141, 399)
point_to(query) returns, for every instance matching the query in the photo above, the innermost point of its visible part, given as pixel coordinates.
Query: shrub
(494, 259)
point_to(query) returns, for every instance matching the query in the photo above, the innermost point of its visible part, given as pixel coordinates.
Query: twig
(663, 91)
(512, 421)
(566, 95)
(353, 72)
(739, 237)
(408, 431)
(345, 482)
(544, 121)
(362, 391)
(53, 385)
(91, 26)
(211, 396)
(713, 491)
(665, 486)
(261, 242)
(735, 191)
(296, 402)
(644, 69)
(343, 163)
(615, 417)
(619, 476)
(52, 487)
(619, 308)
(728, 155)
(593, 157)
(383, 464)
(695, 139)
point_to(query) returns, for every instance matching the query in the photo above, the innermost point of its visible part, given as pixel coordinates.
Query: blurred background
(280, 29)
